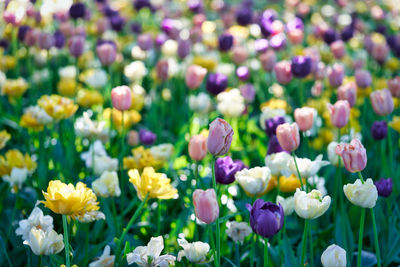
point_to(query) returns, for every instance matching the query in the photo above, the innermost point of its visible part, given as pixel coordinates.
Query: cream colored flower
(105, 260)
(35, 220)
(334, 256)
(254, 181)
(162, 152)
(362, 194)
(96, 79)
(91, 216)
(238, 231)
(107, 185)
(135, 71)
(200, 103)
(87, 128)
(169, 48)
(195, 252)
(67, 72)
(307, 167)
(287, 204)
(231, 103)
(278, 163)
(310, 205)
(102, 162)
(17, 177)
(44, 242)
(332, 156)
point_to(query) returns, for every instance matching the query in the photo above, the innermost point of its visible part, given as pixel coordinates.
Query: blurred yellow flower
(7, 62)
(131, 117)
(157, 185)
(15, 159)
(395, 123)
(142, 158)
(35, 118)
(70, 200)
(208, 63)
(88, 98)
(67, 87)
(14, 88)
(276, 103)
(4, 137)
(138, 95)
(289, 184)
(58, 107)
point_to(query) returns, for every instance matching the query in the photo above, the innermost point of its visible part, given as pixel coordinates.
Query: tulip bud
(348, 92)
(301, 66)
(338, 49)
(147, 137)
(225, 42)
(243, 73)
(145, 41)
(283, 72)
(362, 194)
(261, 45)
(336, 75)
(296, 36)
(354, 155)
(384, 187)
(379, 130)
(162, 70)
(195, 76)
(266, 218)
(206, 205)
(219, 137)
(363, 78)
(310, 205)
(121, 97)
(216, 83)
(239, 54)
(268, 60)
(77, 10)
(248, 92)
(226, 168)
(304, 118)
(197, 147)
(288, 136)
(334, 256)
(394, 86)
(380, 52)
(382, 102)
(133, 138)
(106, 53)
(45, 40)
(340, 113)
(76, 45)
(273, 145)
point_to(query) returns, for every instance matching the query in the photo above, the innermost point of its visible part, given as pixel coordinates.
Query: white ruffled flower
(162, 151)
(334, 256)
(310, 205)
(278, 163)
(238, 231)
(225, 68)
(195, 252)
(287, 204)
(97, 79)
(254, 181)
(200, 103)
(68, 72)
(35, 220)
(231, 103)
(137, 53)
(40, 76)
(169, 48)
(17, 177)
(91, 216)
(318, 183)
(135, 71)
(150, 255)
(39, 114)
(307, 167)
(87, 128)
(105, 260)
(362, 194)
(107, 185)
(44, 242)
(102, 162)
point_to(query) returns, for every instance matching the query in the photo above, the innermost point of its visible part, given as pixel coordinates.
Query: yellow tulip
(289, 184)
(4, 137)
(15, 159)
(57, 106)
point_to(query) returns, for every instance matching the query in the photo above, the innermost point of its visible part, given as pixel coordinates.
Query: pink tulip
(288, 136)
(363, 78)
(336, 75)
(283, 72)
(219, 137)
(195, 76)
(394, 86)
(206, 205)
(382, 102)
(380, 52)
(162, 69)
(317, 89)
(304, 118)
(76, 45)
(107, 53)
(197, 147)
(268, 60)
(340, 113)
(348, 92)
(296, 36)
(239, 54)
(121, 97)
(338, 49)
(354, 155)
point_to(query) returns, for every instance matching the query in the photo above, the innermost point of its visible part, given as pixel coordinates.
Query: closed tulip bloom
(183, 48)
(121, 97)
(197, 147)
(248, 92)
(288, 136)
(107, 53)
(348, 92)
(287, 204)
(283, 72)
(225, 42)
(76, 45)
(44, 242)
(301, 66)
(334, 256)
(219, 137)
(147, 137)
(162, 70)
(45, 40)
(268, 60)
(225, 169)
(145, 41)
(379, 130)
(382, 102)
(363, 78)
(243, 73)
(266, 218)
(332, 156)
(310, 205)
(273, 123)
(206, 205)
(340, 113)
(296, 36)
(77, 10)
(354, 155)
(274, 146)
(195, 76)
(254, 181)
(239, 54)
(216, 83)
(380, 52)
(304, 118)
(394, 86)
(361, 194)
(336, 75)
(384, 187)
(338, 49)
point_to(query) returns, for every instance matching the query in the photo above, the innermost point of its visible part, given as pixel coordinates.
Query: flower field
(200, 132)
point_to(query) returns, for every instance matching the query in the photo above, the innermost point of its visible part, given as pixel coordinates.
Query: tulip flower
(382, 102)
(106, 53)
(288, 136)
(216, 83)
(340, 113)
(379, 130)
(206, 205)
(226, 168)
(197, 147)
(121, 97)
(354, 155)
(266, 218)
(219, 137)
(336, 75)
(362, 194)
(363, 78)
(348, 92)
(394, 86)
(301, 66)
(310, 205)
(305, 117)
(334, 256)
(195, 76)
(255, 181)
(283, 72)
(384, 187)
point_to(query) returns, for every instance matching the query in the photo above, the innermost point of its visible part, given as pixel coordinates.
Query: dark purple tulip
(4, 44)
(272, 123)
(379, 130)
(136, 27)
(330, 36)
(117, 23)
(244, 15)
(147, 137)
(225, 42)
(226, 168)
(301, 66)
(109, 11)
(347, 33)
(139, 4)
(384, 187)
(22, 30)
(59, 39)
(266, 218)
(196, 6)
(77, 10)
(216, 83)
(183, 48)
(274, 146)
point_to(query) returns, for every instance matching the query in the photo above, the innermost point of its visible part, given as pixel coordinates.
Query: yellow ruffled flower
(15, 159)
(208, 63)
(239, 31)
(7, 62)
(276, 103)
(289, 184)
(131, 117)
(395, 123)
(67, 87)
(71, 200)
(142, 158)
(4, 137)
(138, 95)
(14, 88)
(58, 107)
(88, 98)
(156, 185)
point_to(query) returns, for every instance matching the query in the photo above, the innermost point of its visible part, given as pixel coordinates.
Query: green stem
(390, 149)
(311, 245)
(297, 169)
(304, 243)
(217, 260)
(266, 252)
(253, 245)
(66, 243)
(131, 221)
(361, 177)
(159, 217)
(360, 236)
(378, 254)
(237, 254)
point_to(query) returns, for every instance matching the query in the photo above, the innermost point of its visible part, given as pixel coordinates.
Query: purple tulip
(244, 16)
(22, 30)
(301, 66)
(266, 218)
(272, 123)
(117, 23)
(59, 39)
(225, 42)
(274, 146)
(278, 41)
(243, 73)
(216, 83)
(226, 168)
(261, 45)
(183, 48)
(384, 187)
(147, 137)
(330, 36)
(77, 10)
(379, 130)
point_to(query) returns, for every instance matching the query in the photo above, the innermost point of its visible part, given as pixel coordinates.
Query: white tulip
(310, 205)
(278, 163)
(35, 220)
(107, 185)
(105, 260)
(362, 194)
(287, 204)
(238, 231)
(307, 168)
(195, 252)
(44, 242)
(254, 181)
(334, 256)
